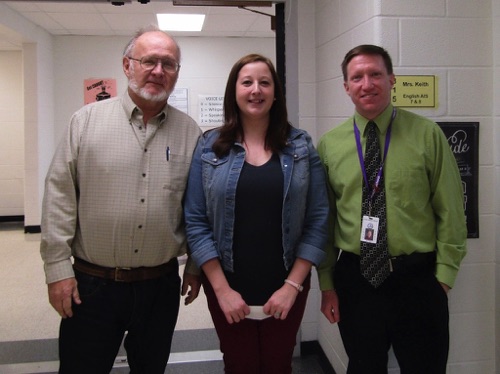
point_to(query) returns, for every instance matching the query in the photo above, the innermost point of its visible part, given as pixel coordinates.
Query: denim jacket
(209, 205)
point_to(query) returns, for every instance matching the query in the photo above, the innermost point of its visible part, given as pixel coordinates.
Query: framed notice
(463, 138)
(179, 99)
(211, 110)
(97, 89)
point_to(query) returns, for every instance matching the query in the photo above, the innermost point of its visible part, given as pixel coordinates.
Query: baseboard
(32, 229)
(11, 218)
(314, 348)
(35, 229)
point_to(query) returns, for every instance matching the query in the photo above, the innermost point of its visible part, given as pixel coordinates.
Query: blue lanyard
(376, 185)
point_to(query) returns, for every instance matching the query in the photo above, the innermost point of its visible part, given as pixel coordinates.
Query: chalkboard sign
(463, 138)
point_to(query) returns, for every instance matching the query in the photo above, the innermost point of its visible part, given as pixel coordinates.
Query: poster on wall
(97, 89)
(463, 138)
(179, 99)
(211, 110)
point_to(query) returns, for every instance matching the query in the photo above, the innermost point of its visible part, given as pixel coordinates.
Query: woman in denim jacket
(256, 212)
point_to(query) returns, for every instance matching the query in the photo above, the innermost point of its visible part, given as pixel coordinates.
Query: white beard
(143, 93)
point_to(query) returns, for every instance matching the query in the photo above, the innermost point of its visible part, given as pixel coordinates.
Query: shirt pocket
(408, 188)
(301, 162)
(213, 170)
(211, 165)
(176, 172)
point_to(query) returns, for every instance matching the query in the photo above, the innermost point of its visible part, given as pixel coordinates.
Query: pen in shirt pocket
(167, 153)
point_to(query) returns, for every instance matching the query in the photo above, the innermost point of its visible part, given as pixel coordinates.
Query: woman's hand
(281, 301)
(232, 304)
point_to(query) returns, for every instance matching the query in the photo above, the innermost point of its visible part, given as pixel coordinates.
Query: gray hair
(150, 28)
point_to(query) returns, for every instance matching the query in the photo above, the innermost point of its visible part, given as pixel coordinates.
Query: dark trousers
(408, 311)
(257, 346)
(89, 341)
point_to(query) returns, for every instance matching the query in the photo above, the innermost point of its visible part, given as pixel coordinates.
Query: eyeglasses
(149, 63)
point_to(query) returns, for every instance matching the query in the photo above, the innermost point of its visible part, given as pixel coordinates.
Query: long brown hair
(232, 131)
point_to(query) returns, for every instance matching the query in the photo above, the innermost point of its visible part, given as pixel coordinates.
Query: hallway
(29, 325)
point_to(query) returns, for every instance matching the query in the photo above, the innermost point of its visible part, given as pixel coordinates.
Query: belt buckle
(118, 272)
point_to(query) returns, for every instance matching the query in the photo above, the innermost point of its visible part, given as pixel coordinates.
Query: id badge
(369, 229)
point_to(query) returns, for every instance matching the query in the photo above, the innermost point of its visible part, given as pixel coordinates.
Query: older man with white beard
(112, 222)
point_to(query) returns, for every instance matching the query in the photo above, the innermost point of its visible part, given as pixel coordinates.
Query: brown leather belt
(123, 274)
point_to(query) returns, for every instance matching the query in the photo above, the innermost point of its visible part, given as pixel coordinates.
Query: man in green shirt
(426, 229)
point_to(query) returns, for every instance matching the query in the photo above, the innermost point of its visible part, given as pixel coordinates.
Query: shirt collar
(382, 120)
(132, 110)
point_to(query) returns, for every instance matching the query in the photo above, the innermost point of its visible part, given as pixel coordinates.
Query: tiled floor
(29, 325)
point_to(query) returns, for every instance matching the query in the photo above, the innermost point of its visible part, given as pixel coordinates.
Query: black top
(259, 268)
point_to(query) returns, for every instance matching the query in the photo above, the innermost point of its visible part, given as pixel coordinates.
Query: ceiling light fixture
(180, 22)
(223, 3)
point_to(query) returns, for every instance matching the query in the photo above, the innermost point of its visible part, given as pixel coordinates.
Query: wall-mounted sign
(179, 99)
(97, 89)
(463, 138)
(211, 110)
(417, 91)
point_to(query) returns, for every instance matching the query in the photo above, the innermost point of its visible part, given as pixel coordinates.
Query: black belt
(124, 274)
(412, 263)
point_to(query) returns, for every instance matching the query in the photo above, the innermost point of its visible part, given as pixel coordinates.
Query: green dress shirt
(424, 196)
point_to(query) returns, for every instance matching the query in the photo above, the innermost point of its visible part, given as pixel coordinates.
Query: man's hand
(446, 288)
(191, 287)
(330, 306)
(62, 294)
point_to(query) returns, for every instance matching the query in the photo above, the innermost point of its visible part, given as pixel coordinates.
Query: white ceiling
(100, 17)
